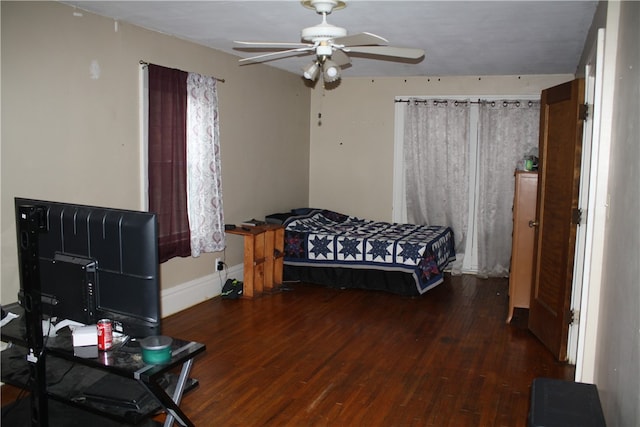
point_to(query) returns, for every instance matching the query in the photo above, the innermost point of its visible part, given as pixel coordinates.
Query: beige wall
(610, 310)
(69, 137)
(617, 354)
(352, 140)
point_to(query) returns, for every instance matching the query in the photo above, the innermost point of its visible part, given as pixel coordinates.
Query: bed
(342, 251)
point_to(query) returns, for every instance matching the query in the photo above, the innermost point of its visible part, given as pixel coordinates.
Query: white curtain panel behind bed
(506, 132)
(458, 176)
(436, 165)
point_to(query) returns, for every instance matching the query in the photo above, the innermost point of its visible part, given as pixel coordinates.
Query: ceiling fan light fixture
(311, 71)
(331, 71)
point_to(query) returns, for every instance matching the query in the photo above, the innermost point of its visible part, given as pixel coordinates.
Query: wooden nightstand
(263, 257)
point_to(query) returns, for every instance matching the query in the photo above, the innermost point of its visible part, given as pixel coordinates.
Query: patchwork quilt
(330, 239)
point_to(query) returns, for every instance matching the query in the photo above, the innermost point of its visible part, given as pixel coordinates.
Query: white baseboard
(185, 295)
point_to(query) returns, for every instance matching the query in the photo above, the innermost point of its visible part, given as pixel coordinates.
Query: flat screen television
(95, 263)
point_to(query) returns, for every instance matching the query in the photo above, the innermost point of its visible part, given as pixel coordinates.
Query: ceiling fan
(331, 45)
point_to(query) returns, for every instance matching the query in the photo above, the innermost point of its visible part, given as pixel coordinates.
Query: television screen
(96, 263)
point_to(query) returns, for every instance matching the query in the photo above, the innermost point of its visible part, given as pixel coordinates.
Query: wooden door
(560, 146)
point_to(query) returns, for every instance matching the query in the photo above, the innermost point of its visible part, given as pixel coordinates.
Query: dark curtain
(168, 160)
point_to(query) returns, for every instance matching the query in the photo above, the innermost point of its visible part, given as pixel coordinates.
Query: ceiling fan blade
(274, 44)
(340, 58)
(361, 39)
(399, 52)
(272, 55)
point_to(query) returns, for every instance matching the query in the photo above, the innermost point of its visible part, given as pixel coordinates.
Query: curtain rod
(145, 63)
(462, 101)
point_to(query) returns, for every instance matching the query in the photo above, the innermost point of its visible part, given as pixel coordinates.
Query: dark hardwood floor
(313, 356)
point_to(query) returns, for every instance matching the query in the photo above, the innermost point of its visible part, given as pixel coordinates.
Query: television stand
(75, 375)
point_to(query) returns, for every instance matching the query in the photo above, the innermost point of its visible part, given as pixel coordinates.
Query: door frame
(584, 235)
(603, 83)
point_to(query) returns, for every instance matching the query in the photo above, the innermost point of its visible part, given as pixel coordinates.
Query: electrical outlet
(219, 264)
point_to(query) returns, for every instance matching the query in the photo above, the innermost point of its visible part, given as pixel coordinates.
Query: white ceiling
(459, 37)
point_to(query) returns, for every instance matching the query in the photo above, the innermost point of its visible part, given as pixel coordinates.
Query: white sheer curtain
(436, 165)
(507, 131)
(439, 151)
(204, 186)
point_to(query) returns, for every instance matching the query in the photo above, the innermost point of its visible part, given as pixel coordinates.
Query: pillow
(277, 218)
(302, 211)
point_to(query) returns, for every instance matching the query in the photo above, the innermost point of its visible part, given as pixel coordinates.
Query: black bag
(232, 289)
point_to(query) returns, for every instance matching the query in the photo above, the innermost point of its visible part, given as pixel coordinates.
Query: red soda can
(105, 334)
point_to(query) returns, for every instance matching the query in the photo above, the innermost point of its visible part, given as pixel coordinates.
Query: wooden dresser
(522, 249)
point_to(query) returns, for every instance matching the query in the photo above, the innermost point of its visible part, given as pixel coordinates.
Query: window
(183, 169)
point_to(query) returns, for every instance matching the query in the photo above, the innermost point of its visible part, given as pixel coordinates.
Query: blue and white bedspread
(330, 239)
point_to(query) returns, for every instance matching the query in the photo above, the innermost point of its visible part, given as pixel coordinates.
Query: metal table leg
(177, 393)
(170, 404)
